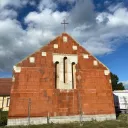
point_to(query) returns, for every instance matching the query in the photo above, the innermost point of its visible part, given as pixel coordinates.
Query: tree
(115, 83)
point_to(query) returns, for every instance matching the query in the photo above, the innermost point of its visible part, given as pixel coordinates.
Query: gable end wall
(37, 81)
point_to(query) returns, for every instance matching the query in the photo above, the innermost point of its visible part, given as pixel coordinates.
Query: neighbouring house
(63, 81)
(5, 89)
(121, 100)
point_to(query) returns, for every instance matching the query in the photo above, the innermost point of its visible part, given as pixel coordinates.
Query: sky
(100, 26)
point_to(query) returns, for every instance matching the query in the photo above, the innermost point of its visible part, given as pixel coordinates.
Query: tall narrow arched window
(56, 74)
(73, 75)
(65, 73)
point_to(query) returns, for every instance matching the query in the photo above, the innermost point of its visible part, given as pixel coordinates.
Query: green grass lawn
(92, 124)
(121, 122)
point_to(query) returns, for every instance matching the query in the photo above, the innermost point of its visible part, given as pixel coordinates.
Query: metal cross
(64, 23)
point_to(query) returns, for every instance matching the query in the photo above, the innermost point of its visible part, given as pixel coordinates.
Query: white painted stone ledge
(60, 119)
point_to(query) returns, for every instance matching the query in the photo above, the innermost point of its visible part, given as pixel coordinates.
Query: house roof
(5, 86)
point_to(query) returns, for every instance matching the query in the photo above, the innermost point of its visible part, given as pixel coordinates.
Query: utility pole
(29, 109)
(79, 98)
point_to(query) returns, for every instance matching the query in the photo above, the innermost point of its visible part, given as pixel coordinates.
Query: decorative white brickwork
(95, 63)
(70, 58)
(44, 54)
(55, 45)
(32, 59)
(65, 39)
(85, 56)
(17, 69)
(74, 47)
(106, 72)
(59, 58)
(110, 81)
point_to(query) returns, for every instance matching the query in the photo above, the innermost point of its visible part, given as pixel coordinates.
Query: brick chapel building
(62, 80)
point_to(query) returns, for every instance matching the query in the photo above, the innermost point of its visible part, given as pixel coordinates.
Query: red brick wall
(37, 81)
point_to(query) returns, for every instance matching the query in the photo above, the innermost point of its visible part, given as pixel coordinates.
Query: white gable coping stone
(44, 54)
(55, 45)
(106, 72)
(95, 62)
(65, 39)
(74, 47)
(85, 56)
(13, 79)
(17, 69)
(32, 59)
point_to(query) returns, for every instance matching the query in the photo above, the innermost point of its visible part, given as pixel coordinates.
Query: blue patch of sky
(5, 74)
(117, 62)
(65, 6)
(23, 12)
(102, 5)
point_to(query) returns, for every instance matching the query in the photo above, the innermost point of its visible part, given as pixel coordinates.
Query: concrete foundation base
(60, 119)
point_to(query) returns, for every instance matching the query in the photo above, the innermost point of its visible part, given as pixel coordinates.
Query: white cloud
(4, 3)
(103, 37)
(120, 17)
(50, 4)
(45, 20)
(98, 33)
(10, 36)
(83, 12)
(70, 1)
(97, 46)
(14, 3)
(67, 1)
(112, 8)
(93, 31)
(5, 13)
(16, 43)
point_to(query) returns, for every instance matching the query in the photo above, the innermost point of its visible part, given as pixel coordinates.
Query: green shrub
(3, 121)
(3, 118)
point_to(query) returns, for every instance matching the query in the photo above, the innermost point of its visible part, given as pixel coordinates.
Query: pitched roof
(5, 86)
